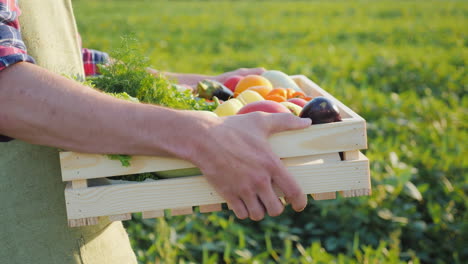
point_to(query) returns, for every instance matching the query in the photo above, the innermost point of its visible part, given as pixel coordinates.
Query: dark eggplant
(321, 110)
(209, 88)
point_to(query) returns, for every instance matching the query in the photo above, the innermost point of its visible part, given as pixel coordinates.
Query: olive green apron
(33, 222)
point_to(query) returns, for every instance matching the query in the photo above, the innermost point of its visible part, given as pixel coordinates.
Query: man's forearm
(43, 108)
(232, 152)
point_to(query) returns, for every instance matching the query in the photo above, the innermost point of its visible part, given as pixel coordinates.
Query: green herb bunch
(127, 74)
(126, 78)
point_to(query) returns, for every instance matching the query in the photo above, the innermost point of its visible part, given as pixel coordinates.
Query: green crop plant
(400, 64)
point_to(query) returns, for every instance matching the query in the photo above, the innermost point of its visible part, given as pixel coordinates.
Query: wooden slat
(353, 192)
(320, 139)
(210, 208)
(356, 192)
(115, 199)
(324, 196)
(120, 217)
(77, 184)
(80, 184)
(317, 139)
(315, 159)
(76, 165)
(153, 214)
(182, 211)
(83, 222)
(351, 155)
(311, 159)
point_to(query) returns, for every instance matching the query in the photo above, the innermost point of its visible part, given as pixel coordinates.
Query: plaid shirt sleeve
(91, 58)
(12, 48)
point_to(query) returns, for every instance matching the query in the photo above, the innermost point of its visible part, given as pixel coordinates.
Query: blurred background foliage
(399, 64)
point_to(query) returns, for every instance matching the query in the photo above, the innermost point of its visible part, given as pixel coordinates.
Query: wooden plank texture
(317, 139)
(356, 192)
(351, 155)
(210, 208)
(77, 184)
(83, 222)
(120, 217)
(324, 196)
(181, 211)
(153, 214)
(80, 184)
(329, 176)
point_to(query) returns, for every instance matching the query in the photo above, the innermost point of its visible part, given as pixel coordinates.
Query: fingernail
(300, 210)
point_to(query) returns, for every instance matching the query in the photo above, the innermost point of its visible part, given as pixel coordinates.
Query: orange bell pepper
(279, 91)
(275, 97)
(297, 94)
(290, 92)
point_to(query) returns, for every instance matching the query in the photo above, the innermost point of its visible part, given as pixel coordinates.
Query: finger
(291, 190)
(280, 122)
(250, 71)
(270, 201)
(239, 208)
(257, 71)
(254, 207)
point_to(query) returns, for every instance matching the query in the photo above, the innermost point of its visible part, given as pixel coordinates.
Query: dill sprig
(128, 74)
(127, 78)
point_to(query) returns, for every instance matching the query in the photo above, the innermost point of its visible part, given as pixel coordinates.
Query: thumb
(284, 121)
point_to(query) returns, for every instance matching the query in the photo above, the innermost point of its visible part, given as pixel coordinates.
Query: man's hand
(242, 72)
(193, 79)
(237, 160)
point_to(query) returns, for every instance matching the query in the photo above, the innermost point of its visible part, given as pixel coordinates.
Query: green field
(399, 64)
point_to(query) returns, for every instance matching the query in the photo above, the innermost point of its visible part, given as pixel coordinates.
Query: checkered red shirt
(13, 50)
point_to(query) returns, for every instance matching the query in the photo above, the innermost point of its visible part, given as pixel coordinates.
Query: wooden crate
(310, 155)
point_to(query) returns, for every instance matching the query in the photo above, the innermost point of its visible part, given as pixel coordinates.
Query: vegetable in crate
(280, 79)
(264, 106)
(321, 110)
(228, 108)
(209, 88)
(294, 108)
(248, 96)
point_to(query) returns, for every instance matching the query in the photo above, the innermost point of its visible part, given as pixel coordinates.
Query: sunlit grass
(399, 64)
